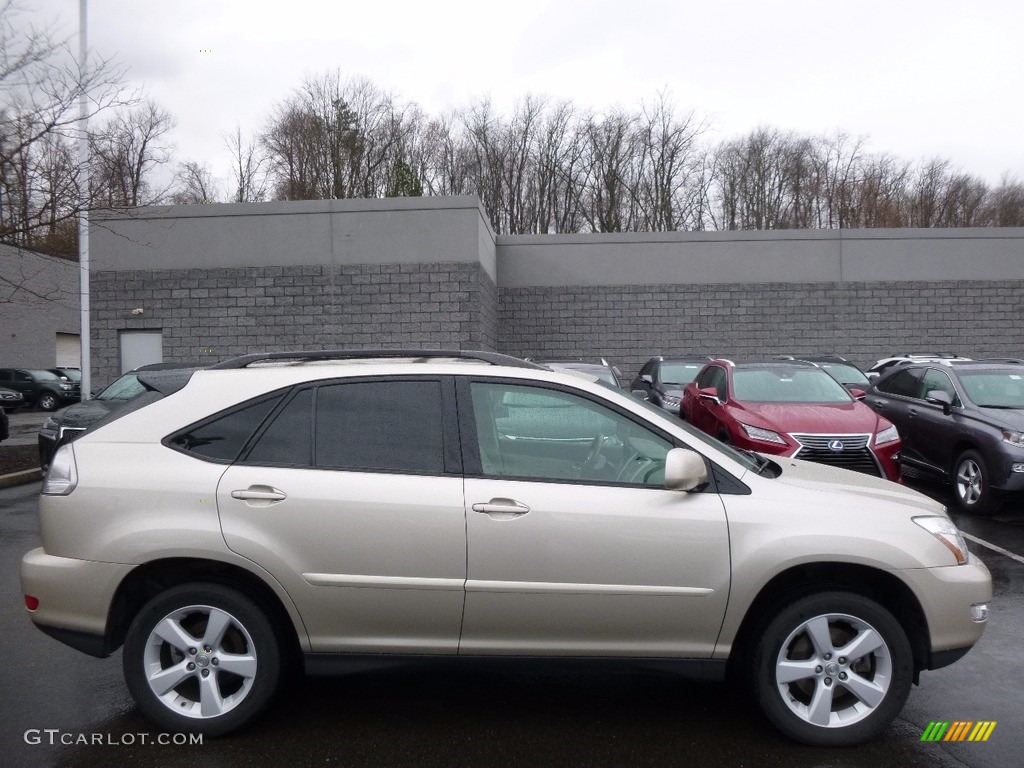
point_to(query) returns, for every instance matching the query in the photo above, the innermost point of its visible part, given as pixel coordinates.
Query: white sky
(919, 78)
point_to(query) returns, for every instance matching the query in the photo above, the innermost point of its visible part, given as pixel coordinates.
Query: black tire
(971, 484)
(882, 675)
(48, 402)
(247, 643)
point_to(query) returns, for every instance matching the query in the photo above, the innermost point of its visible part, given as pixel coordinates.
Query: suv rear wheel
(201, 658)
(832, 669)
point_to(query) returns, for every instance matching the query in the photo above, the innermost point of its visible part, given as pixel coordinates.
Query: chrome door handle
(501, 508)
(259, 493)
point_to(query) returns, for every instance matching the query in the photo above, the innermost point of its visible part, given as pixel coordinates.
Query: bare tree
(248, 168)
(194, 184)
(125, 153)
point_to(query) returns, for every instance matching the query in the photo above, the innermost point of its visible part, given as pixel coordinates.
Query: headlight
(62, 476)
(756, 433)
(943, 529)
(67, 386)
(887, 435)
(1015, 439)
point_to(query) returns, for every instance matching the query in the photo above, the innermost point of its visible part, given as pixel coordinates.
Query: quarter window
(903, 383)
(223, 437)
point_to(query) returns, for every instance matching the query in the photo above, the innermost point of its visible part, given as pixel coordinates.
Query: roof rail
(306, 356)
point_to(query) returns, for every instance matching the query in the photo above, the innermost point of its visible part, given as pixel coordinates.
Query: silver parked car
(333, 505)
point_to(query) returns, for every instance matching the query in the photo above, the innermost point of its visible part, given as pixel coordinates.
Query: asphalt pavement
(59, 707)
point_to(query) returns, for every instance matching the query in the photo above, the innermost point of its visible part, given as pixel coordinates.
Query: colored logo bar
(958, 730)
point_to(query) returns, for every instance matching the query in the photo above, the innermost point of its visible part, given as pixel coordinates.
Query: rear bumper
(74, 597)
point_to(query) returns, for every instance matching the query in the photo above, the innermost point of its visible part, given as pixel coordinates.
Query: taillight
(31, 602)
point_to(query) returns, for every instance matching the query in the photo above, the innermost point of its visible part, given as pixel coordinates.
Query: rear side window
(386, 426)
(223, 437)
(903, 383)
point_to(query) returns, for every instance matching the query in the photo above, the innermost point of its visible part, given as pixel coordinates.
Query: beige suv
(324, 507)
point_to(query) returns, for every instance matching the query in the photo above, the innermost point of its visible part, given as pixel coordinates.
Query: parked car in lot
(69, 422)
(602, 369)
(662, 379)
(11, 399)
(841, 369)
(962, 421)
(343, 505)
(883, 365)
(791, 408)
(43, 389)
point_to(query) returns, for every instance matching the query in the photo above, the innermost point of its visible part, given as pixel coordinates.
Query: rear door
(352, 497)
(896, 397)
(574, 545)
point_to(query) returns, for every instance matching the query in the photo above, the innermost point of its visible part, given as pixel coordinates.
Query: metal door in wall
(69, 350)
(140, 348)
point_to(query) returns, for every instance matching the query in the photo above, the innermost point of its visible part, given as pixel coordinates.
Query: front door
(574, 545)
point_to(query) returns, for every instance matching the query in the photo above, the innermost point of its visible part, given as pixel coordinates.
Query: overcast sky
(918, 78)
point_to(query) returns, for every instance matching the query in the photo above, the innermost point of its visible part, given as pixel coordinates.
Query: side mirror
(639, 394)
(938, 397)
(857, 393)
(647, 378)
(872, 375)
(616, 371)
(709, 393)
(685, 470)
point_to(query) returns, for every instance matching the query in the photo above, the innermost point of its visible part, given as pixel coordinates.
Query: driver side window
(533, 433)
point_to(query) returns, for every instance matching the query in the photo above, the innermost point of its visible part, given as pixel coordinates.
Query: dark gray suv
(44, 389)
(960, 420)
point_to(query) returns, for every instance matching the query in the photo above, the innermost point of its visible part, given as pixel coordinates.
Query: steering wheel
(594, 455)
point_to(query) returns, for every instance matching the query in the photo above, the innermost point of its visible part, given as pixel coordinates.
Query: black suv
(44, 389)
(962, 421)
(662, 379)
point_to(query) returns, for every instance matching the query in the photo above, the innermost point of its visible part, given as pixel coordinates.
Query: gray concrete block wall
(208, 315)
(863, 321)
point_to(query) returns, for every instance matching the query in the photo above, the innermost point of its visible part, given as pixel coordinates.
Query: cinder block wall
(863, 321)
(208, 315)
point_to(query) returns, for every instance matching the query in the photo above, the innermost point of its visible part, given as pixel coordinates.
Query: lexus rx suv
(961, 421)
(331, 506)
(791, 408)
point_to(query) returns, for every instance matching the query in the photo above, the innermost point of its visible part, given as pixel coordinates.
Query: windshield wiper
(1004, 407)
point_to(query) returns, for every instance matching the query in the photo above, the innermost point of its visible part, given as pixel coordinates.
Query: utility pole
(83, 200)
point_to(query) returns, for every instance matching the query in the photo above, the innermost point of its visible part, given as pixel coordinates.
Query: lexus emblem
(836, 446)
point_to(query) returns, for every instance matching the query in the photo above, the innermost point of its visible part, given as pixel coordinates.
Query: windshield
(45, 375)
(787, 385)
(680, 373)
(71, 374)
(846, 374)
(995, 389)
(124, 388)
(747, 460)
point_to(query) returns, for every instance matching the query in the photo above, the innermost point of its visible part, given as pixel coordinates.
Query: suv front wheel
(971, 483)
(832, 669)
(201, 658)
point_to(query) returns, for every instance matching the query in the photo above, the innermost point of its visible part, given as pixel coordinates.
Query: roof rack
(306, 356)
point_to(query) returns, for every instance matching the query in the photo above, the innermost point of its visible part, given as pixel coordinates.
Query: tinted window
(901, 383)
(543, 434)
(289, 438)
(224, 437)
(679, 373)
(995, 390)
(386, 425)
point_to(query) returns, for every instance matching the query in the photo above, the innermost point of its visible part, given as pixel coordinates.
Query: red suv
(791, 409)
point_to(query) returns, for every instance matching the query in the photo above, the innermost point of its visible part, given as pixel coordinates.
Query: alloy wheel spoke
(868, 691)
(172, 632)
(790, 671)
(210, 701)
(819, 711)
(864, 643)
(243, 665)
(167, 679)
(216, 625)
(818, 631)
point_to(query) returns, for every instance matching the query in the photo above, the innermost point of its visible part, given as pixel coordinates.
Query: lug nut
(191, 666)
(828, 656)
(828, 680)
(818, 669)
(192, 651)
(206, 673)
(842, 675)
(842, 659)
(215, 661)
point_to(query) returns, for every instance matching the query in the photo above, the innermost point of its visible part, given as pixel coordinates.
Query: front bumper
(947, 594)
(74, 597)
